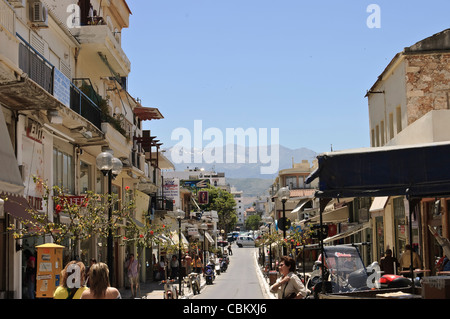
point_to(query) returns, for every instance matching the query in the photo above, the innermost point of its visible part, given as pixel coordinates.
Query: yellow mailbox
(48, 269)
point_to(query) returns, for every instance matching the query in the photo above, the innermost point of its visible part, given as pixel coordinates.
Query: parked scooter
(209, 274)
(194, 282)
(223, 265)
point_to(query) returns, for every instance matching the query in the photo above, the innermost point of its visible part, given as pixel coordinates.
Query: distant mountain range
(240, 173)
(239, 166)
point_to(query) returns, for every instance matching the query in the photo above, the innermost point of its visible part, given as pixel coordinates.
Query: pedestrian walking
(288, 286)
(133, 274)
(72, 284)
(174, 266)
(100, 287)
(230, 252)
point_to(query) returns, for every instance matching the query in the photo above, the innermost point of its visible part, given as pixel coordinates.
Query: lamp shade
(284, 193)
(180, 214)
(104, 161)
(116, 166)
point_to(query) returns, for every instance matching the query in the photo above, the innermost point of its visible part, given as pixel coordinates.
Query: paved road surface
(240, 281)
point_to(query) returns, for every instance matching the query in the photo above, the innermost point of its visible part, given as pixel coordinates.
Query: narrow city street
(240, 281)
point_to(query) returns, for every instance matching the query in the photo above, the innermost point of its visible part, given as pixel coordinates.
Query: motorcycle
(223, 265)
(194, 282)
(170, 290)
(209, 274)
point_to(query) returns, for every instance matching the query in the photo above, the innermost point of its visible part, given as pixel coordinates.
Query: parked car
(245, 241)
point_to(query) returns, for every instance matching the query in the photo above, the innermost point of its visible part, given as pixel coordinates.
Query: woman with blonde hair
(72, 281)
(99, 284)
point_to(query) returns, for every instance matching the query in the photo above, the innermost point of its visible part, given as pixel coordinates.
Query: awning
(353, 230)
(174, 238)
(378, 204)
(414, 170)
(16, 206)
(335, 216)
(147, 113)
(208, 236)
(10, 178)
(302, 204)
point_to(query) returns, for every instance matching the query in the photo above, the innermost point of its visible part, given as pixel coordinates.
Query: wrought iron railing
(84, 106)
(38, 68)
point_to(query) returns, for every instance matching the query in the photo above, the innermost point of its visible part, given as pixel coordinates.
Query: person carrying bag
(288, 286)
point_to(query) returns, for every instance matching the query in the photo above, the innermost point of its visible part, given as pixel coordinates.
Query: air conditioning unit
(17, 3)
(38, 14)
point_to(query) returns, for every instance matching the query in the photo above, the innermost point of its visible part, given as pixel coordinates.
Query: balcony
(99, 41)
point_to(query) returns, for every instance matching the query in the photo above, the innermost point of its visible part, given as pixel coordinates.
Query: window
(63, 171)
(382, 132)
(377, 135)
(85, 178)
(391, 125)
(399, 119)
(291, 182)
(373, 137)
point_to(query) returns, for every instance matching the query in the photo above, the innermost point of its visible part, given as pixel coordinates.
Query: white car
(245, 241)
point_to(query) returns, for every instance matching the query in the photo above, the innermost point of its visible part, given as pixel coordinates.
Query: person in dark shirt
(388, 264)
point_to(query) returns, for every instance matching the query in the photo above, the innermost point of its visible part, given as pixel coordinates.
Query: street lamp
(179, 215)
(284, 195)
(204, 227)
(111, 167)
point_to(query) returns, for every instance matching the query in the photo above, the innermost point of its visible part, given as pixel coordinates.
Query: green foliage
(253, 222)
(223, 202)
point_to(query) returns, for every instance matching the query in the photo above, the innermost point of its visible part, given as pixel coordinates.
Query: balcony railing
(38, 68)
(42, 72)
(84, 106)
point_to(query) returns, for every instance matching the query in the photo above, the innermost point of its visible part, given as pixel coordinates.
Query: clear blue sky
(300, 66)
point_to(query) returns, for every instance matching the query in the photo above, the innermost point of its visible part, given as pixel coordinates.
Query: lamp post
(204, 227)
(180, 215)
(269, 221)
(284, 194)
(111, 167)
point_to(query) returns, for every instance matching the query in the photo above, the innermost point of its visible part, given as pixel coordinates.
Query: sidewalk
(155, 290)
(263, 281)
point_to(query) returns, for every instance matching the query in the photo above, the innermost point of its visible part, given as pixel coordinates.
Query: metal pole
(322, 252)
(270, 247)
(179, 255)
(284, 227)
(411, 205)
(109, 252)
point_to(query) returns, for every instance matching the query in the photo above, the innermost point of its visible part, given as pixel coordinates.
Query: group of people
(390, 265)
(172, 267)
(92, 283)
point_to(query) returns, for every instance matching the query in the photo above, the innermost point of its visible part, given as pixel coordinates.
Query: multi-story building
(64, 99)
(240, 208)
(409, 104)
(300, 193)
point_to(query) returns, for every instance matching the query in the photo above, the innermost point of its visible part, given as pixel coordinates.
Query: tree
(223, 202)
(253, 222)
(77, 220)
